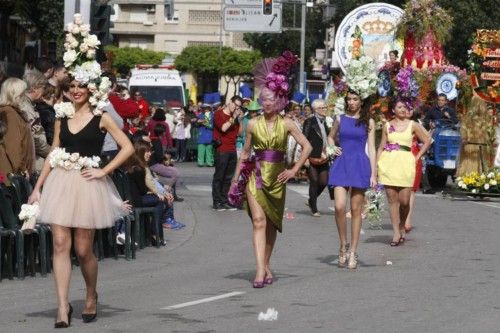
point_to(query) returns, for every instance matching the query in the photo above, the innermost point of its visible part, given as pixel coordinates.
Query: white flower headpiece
(79, 59)
(361, 76)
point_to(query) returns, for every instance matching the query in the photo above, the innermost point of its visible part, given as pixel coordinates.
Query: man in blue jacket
(440, 112)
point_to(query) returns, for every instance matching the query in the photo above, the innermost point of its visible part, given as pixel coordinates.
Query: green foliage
(46, 15)
(237, 63)
(199, 59)
(207, 60)
(468, 17)
(423, 16)
(125, 58)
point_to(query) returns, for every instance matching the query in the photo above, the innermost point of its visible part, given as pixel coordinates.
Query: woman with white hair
(316, 132)
(16, 149)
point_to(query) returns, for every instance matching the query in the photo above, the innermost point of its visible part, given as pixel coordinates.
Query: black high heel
(63, 324)
(89, 317)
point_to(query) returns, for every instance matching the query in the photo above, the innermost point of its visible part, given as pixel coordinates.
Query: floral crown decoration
(361, 76)
(407, 87)
(273, 74)
(81, 47)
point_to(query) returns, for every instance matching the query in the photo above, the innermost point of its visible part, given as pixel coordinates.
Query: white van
(159, 85)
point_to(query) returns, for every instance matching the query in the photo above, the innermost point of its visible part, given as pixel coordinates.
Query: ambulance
(159, 85)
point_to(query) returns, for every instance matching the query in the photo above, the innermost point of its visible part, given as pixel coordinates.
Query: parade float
(418, 34)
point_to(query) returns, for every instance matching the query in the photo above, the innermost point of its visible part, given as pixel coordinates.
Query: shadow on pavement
(103, 311)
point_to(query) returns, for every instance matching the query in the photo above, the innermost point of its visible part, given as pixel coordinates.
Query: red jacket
(126, 108)
(144, 107)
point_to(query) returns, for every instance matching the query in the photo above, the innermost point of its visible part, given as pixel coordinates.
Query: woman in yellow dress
(267, 136)
(396, 165)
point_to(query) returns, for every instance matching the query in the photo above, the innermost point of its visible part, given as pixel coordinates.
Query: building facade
(171, 25)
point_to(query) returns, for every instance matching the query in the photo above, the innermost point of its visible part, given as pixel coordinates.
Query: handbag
(29, 225)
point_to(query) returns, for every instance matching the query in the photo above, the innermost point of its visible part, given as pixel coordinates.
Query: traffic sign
(252, 19)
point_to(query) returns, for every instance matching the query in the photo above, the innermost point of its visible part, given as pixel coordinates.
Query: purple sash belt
(273, 156)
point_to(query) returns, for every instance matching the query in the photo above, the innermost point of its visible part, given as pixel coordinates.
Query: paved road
(444, 279)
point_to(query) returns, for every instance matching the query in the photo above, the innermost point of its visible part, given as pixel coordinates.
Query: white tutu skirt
(69, 200)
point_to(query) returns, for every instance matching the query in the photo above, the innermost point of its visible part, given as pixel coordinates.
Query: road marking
(486, 204)
(199, 188)
(204, 300)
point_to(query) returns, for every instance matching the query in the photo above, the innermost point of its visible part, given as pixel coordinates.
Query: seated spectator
(17, 153)
(166, 172)
(36, 83)
(159, 118)
(146, 192)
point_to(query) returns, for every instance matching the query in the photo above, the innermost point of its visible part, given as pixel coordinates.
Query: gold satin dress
(271, 197)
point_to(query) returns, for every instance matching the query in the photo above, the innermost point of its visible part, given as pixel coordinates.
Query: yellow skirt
(396, 168)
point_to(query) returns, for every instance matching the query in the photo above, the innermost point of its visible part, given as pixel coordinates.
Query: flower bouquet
(28, 215)
(476, 183)
(374, 206)
(236, 195)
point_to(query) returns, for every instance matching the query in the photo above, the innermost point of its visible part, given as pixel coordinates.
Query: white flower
(474, 191)
(92, 41)
(329, 121)
(74, 157)
(77, 18)
(64, 109)
(105, 84)
(69, 27)
(75, 30)
(91, 54)
(88, 71)
(493, 182)
(84, 47)
(461, 184)
(69, 57)
(486, 186)
(491, 175)
(92, 87)
(29, 211)
(93, 100)
(84, 30)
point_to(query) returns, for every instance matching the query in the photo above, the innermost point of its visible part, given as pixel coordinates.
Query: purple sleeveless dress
(352, 168)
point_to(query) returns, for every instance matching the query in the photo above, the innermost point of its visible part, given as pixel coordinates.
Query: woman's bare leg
(393, 200)
(84, 242)
(259, 236)
(270, 240)
(340, 194)
(357, 203)
(61, 239)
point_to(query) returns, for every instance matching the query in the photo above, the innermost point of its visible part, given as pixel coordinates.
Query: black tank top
(87, 142)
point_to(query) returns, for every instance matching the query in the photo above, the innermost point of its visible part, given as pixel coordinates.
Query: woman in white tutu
(77, 195)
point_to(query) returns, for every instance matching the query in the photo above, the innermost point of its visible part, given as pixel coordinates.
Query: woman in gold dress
(267, 138)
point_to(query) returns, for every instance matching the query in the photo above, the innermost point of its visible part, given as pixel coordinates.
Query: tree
(125, 58)
(235, 65)
(229, 63)
(46, 15)
(467, 17)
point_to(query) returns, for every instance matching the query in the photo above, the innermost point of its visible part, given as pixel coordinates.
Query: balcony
(133, 28)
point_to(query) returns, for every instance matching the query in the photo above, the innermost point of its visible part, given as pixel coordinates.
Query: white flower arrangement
(60, 158)
(28, 215)
(64, 109)
(29, 211)
(79, 59)
(361, 76)
(374, 206)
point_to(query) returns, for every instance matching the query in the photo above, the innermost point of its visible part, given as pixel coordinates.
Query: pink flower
(284, 86)
(391, 147)
(271, 85)
(392, 129)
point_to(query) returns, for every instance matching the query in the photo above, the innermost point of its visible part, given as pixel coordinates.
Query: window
(138, 14)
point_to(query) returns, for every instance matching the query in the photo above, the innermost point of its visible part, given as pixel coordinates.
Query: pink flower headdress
(273, 73)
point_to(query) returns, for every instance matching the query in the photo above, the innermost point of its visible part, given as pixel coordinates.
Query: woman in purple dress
(352, 170)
